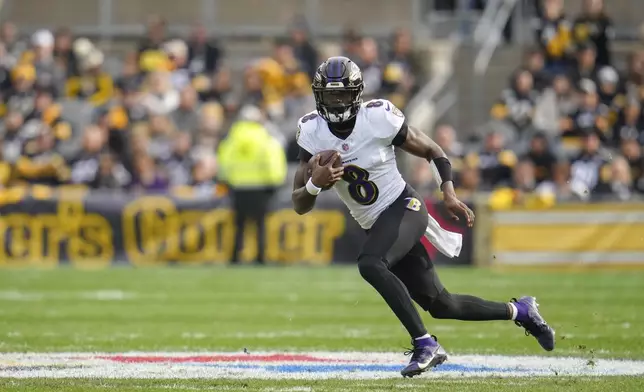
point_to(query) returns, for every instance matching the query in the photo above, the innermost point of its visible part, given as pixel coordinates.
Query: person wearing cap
(611, 92)
(20, 97)
(92, 84)
(48, 73)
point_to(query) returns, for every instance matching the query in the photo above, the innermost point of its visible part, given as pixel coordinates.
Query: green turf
(596, 314)
(586, 384)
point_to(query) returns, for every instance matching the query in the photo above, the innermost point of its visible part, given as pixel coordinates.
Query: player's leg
(389, 239)
(418, 274)
(239, 207)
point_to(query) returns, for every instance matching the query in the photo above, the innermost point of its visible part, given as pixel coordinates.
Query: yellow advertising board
(576, 234)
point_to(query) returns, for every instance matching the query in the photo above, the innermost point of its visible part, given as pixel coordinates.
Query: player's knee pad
(444, 306)
(370, 266)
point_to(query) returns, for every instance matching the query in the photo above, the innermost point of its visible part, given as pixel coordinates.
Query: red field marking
(218, 358)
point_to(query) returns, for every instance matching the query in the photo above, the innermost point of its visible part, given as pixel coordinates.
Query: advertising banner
(101, 229)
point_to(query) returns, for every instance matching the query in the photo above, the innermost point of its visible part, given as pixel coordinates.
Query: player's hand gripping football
(456, 207)
(324, 176)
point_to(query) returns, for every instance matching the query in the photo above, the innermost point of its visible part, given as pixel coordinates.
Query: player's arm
(419, 144)
(305, 190)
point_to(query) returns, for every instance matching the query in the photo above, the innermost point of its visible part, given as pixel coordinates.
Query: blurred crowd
(569, 125)
(156, 122)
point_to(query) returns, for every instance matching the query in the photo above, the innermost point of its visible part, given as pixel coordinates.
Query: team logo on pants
(413, 204)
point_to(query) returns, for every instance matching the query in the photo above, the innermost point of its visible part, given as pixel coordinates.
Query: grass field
(597, 315)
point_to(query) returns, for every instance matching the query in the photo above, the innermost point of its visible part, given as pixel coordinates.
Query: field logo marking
(314, 365)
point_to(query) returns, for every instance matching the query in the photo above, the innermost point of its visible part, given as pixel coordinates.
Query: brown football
(325, 158)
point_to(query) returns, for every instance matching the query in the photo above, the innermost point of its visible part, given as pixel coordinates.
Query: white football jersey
(371, 180)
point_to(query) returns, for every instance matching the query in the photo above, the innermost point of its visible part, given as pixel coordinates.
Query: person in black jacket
(593, 25)
(204, 55)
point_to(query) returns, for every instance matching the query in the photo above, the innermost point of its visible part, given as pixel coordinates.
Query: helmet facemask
(338, 104)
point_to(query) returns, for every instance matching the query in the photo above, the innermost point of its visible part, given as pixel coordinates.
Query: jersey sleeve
(387, 121)
(305, 130)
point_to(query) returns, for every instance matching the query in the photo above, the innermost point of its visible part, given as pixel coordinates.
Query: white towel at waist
(447, 242)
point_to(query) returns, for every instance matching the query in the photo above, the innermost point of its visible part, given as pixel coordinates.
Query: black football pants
(250, 205)
(396, 264)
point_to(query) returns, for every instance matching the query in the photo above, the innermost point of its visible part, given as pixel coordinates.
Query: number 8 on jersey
(361, 189)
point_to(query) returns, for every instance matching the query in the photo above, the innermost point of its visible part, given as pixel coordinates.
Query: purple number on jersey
(361, 189)
(309, 117)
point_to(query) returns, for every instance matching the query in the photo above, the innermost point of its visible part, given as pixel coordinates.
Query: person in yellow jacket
(253, 164)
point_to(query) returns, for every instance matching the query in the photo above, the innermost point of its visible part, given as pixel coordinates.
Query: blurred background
(149, 132)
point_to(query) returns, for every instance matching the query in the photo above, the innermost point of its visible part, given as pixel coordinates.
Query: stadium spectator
(204, 54)
(517, 104)
(180, 164)
(630, 125)
(13, 136)
(177, 52)
(159, 136)
(186, 116)
(589, 167)
(63, 51)
(49, 74)
(156, 35)
(401, 70)
(468, 183)
(553, 33)
(96, 168)
(611, 92)
(130, 77)
(445, 137)
(584, 65)
(22, 93)
(14, 45)
(616, 182)
(542, 157)
(150, 178)
(351, 43)
(217, 87)
(634, 84)
(495, 161)
(593, 25)
(567, 101)
(161, 98)
(591, 116)
(203, 179)
(40, 161)
(92, 83)
(631, 149)
(111, 174)
(534, 62)
(524, 190)
(371, 69)
(303, 49)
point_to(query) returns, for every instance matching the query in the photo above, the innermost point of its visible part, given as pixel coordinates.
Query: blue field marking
(351, 368)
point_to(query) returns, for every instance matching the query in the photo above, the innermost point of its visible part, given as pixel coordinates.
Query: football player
(393, 259)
